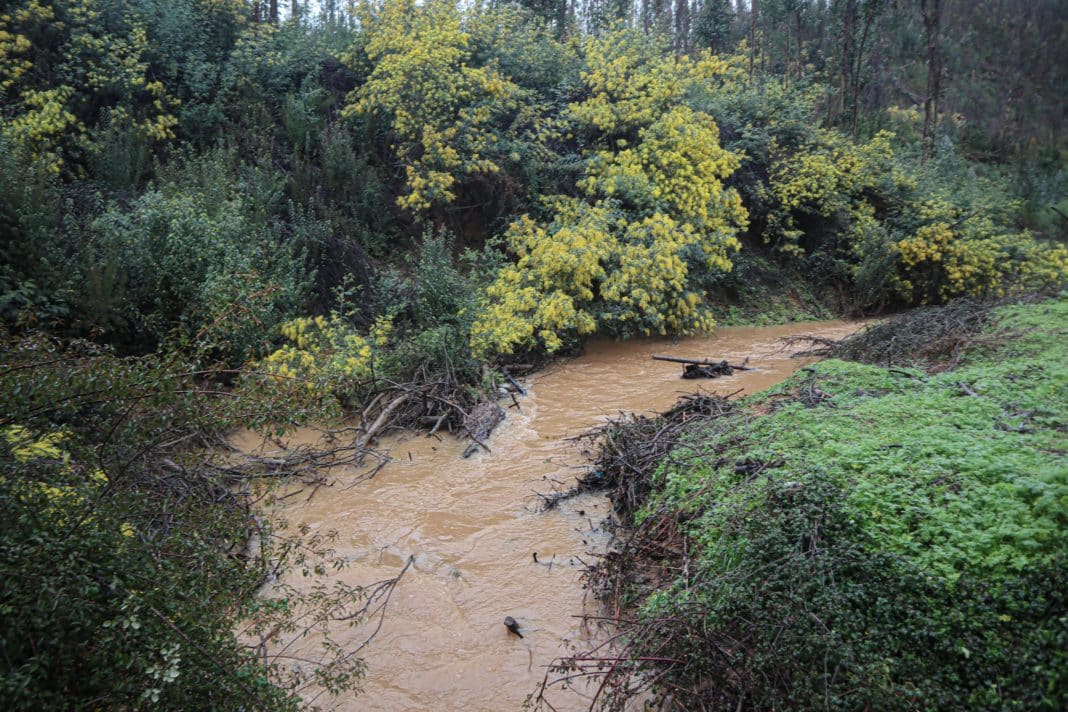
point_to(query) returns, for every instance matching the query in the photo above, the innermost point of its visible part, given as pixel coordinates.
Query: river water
(473, 526)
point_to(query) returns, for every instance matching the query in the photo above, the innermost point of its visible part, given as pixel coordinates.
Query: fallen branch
(515, 384)
(478, 426)
(824, 345)
(382, 420)
(702, 362)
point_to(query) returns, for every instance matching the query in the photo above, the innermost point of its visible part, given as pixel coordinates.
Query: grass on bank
(865, 537)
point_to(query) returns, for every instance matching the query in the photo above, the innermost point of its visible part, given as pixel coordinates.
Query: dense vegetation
(222, 212)
(862, 536)
(192, 175)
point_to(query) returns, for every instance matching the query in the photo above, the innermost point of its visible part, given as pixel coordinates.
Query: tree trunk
(786, 62)
(932, 25)
(753, 9)
(800, 65)
(272, 14)
(763, 42)
(848, 52)
(869, 19)
(682, 26)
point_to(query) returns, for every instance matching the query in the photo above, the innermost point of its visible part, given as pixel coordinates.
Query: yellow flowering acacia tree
(441, 109)
(550, 290)
(328, 354)
(98, 51)
(918, 243)
(676, 167)
(831, 176)
(954, 254)
(651, 213)
(629, 83)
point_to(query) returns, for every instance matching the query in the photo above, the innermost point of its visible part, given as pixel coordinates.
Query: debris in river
(624, 448)
(704, 367)
(511, 625)
(515, 384)
(480, 423)
(821, 346)
(432, 399)
(695, 370)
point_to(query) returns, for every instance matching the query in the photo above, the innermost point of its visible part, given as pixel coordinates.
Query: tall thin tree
(932, 25)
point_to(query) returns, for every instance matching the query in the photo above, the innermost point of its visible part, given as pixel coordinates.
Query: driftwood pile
(434, 401)
(626, 450)
(627, 454)
(931, 338)
(819, 346)
(704, 367)
(303, 462)
(430, 402)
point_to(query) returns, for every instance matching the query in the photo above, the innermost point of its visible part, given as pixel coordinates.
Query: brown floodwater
(473, 526)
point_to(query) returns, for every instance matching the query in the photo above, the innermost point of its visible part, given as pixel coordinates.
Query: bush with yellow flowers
(652, 212)
(440, 105)
(328, 354)
(101, 55)
(953, 254)
(892, 229)
(831, 177)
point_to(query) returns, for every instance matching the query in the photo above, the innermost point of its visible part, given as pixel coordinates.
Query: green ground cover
(865, 537)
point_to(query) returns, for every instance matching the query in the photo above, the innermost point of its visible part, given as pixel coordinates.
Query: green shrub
(30, 248)
(124, 572)
(198, 253)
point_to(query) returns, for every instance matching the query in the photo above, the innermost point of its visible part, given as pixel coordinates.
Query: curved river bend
(473, 526)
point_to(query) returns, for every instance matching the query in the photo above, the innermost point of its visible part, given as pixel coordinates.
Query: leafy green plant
(192, 256)
(128, 577)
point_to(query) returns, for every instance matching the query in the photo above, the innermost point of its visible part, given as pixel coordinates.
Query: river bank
(860, 536)
(472, 527)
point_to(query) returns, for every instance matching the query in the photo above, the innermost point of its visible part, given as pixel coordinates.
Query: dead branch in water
(382, 419)
(702, 362)
(480, 423)
(305, 462)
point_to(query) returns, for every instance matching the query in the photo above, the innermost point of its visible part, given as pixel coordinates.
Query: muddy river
(473, 526)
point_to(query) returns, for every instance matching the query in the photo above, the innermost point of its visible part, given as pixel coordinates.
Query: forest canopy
(609, 163)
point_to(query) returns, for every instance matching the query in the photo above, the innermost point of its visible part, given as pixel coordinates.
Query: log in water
(473, 527)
